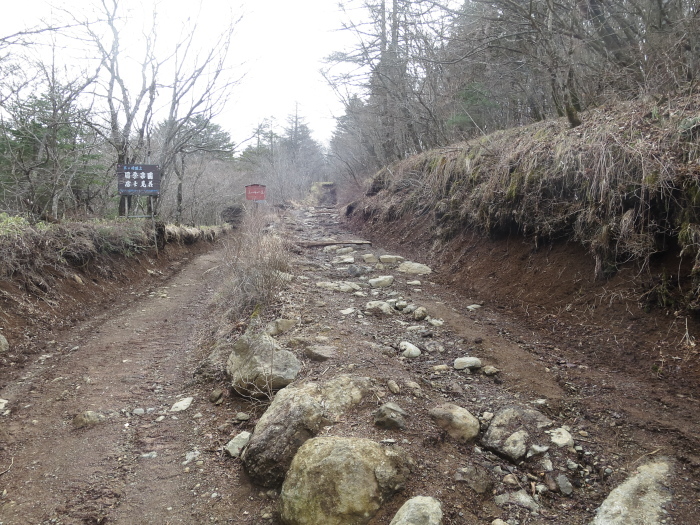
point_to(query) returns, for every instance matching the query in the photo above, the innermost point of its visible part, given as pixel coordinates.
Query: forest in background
(421, 75)
(425, 74)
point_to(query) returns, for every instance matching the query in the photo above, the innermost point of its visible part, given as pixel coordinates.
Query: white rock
(467, 362)
(383, 281)
(459, 423)
(390, 259)
(4, 345)
(181, 405)
(191, 456)
(414, 268)
(237, 444)
(370, 258)
(347, 311)
(419, 510)
(379, 307)
(409, 349)
(341, 286)
(640, 499)
(344, 251)
(343, 259)
(413, 283)
(473, 307)
(3, 403)
(520, 498)
(420, 313)
(561, 438)
(436, 322)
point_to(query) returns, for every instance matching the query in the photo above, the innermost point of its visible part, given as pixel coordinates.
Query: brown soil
(112, 347)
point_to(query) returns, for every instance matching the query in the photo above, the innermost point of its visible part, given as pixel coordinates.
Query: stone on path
(280, 326)
(341, 481)
(297, 413)
(476, 477)
(320, 352)
(420, 510)
(520, 498)
(379, 307)
(370, 258)
(419, 313)
(343, 259)
(459, 423)
(564, 485)
(237, 444)
(641, 499)
(87, 419)
(4, 345)
(414, 268)
(409, 349)
(181, 405)
(515, 431)
(339, 286)
(390, 259)
(467, 362)
(561, 438)
(258, 365)
(390, 416)
(383, 281)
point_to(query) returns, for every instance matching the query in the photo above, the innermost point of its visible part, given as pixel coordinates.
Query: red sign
(255, 192)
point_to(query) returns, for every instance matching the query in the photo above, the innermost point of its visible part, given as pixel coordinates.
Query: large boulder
(516, 433)
(258, 366)
(641, 499)
(297, 414)
(341, 481)
(421, 510)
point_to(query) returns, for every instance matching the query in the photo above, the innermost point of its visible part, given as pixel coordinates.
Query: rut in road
(128, 469)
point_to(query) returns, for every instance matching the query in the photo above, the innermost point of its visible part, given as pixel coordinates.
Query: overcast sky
(278, 46)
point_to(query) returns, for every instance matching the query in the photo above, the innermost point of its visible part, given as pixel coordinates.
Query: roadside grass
(256, 264)
(32, 254)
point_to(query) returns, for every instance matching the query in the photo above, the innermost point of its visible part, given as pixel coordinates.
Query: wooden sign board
(255, 192)
(138, 179)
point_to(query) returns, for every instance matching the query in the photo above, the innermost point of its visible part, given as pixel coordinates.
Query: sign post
(140, 179)
(255, 193)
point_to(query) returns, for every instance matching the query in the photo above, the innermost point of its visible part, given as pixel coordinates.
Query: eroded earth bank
(403, 402)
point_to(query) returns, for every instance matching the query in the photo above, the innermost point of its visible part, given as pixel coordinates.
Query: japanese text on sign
(138, 179)
(255, 192)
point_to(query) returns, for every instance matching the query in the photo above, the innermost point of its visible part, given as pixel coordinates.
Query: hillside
(591, 232)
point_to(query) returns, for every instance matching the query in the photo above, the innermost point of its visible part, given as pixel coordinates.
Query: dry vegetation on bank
(625, 184)
(34, 254)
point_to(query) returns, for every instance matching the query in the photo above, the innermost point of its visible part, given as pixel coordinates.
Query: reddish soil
(605, 367)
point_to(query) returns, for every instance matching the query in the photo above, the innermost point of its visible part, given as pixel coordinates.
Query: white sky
(278, 45)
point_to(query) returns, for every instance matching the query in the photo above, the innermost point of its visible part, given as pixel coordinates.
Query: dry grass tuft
(27, 250)
(256, 269)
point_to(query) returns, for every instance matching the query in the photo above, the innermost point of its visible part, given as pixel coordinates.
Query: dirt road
(140, 462)
(127, 468)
